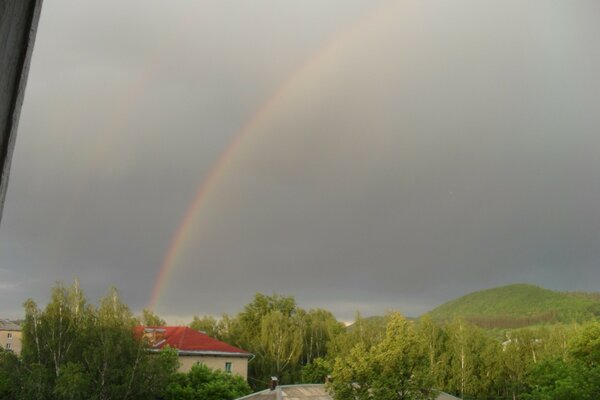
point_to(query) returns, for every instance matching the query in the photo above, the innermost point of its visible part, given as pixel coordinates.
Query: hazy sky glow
(386, 154)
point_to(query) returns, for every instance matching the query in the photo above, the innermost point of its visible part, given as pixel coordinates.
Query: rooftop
(291, 392)
(307, 392)
(187, 341)
(7, 325)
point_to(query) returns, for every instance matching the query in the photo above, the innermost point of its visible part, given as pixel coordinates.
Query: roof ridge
(181, 340)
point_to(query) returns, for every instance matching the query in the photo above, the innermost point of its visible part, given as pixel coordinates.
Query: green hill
(518, 305)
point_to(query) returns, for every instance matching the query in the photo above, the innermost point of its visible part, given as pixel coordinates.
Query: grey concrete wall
(18, 24)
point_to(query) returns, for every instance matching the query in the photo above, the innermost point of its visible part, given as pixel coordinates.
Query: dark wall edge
(9, 132)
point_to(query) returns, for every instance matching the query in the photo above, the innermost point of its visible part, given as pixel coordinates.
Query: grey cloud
(444, 148)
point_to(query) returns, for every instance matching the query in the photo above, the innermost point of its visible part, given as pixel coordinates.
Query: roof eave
(209, 353)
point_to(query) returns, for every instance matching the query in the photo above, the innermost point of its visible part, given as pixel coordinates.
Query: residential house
(10, 336)
(196, 347)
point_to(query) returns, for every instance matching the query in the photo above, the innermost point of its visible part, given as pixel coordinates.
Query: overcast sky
(409, 152)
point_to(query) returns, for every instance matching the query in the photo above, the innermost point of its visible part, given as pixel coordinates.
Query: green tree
(316, 371)
(279, 345)
(270, 328)
(149, 318)
(367, 331)
(561, 380)
(207, 324)
(10, 375)
(202, 383)
(396, 368)
(72, 350)
(319, 328)
(585, 345)
(353, 374)
(435, 339)
(471, 359)
(73, 383)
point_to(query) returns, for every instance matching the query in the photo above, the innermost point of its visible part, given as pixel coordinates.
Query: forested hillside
(519, 305)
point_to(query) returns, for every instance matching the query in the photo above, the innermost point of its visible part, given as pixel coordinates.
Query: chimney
(274, 382)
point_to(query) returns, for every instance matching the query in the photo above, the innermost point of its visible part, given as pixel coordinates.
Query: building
(10, 336)
(195, 347)
(306, 392)
(292, 392)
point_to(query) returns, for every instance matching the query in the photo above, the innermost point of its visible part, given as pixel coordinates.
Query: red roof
(185, 339)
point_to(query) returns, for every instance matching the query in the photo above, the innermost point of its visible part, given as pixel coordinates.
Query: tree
(10, 375)
(319, 328)
(585, 346)
(73, 383)
(561, 380)
(471, 359)
(367, 331)
(149, 318)
(316, 371)
(279, 344)
(353, 375)
(270, 328)
(207, 324)
(436, 341)
(395, 369)
(202, 383)
(72, 350)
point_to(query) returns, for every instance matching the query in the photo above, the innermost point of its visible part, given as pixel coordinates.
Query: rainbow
(181, 236)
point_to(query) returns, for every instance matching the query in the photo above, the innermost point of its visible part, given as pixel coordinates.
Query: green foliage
(10, 379)
(316, 371)
(561, 380)
(460, 358)
(395, 368)
(586, 345)
(320, 328)
(73, 350)
(518, 305)
(574, 376)
(270, 328)
(367, 331)
(73, 383)
(282, 336)
(202, 383)
(149, 318)
(209, 325)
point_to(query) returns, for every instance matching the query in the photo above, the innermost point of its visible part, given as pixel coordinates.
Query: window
(8, 346)
(228, 367)
(10, 335)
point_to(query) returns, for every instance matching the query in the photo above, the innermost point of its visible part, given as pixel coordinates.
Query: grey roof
(446, 396)
(292, 392)
(6, 325)
(309, 392)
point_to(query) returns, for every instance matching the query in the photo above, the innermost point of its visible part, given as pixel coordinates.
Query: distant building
(10, 336)
(195, 347)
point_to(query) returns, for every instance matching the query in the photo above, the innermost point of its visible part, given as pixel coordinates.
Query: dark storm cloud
(442, 148)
